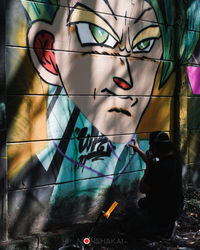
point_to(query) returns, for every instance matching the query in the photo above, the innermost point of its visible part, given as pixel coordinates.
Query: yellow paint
(159, 113)
(29, 122)
(149, 32)
(28, 125)
(21, 34)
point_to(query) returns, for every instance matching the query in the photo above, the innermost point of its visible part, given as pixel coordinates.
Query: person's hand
(134, 144)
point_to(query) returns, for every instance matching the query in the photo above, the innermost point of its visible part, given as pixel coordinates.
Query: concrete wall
(82, 79)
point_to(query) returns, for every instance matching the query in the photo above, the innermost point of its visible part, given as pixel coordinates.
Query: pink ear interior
(44, 49)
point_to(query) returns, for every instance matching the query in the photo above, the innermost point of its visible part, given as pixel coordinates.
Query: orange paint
(109, 211)
(72, 28)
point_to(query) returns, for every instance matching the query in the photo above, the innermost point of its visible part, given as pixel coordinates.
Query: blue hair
(179, 23)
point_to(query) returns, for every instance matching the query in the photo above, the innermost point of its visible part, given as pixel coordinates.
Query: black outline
(94, 95)
(120, 42)
(121, 61)
(129, 72)
(136, 101)
(53, 100)
(35, 3)
(108, 4)
(113, 94)
(125, 17)
(120, 110)
(129, 40)
(138, 18)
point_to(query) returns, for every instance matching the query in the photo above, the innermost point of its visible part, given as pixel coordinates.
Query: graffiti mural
(83, 79)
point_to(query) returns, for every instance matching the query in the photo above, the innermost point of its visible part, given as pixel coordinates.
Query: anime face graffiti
(98, 60)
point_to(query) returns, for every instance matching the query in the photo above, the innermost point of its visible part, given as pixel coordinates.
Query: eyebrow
(108, 4)
(138, 18)
(144, 34)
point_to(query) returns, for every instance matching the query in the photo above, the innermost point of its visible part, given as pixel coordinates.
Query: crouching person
(162, 186)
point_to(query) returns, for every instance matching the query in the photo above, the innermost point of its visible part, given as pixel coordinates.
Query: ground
(186, 237)
(187, 234)
(108, 237)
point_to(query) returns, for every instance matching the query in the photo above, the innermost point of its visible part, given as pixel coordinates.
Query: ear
(41, 50)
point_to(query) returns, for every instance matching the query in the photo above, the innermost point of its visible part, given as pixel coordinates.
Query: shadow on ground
(107, 236)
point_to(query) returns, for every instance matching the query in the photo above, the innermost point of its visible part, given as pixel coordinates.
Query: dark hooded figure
(162, 186)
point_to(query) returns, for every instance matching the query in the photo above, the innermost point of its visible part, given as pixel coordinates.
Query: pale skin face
(103, 76)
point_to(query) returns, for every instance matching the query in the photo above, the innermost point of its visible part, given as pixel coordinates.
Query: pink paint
(194, 78)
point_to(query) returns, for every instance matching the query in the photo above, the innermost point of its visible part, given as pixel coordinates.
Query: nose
(125, 44)
(121, 83)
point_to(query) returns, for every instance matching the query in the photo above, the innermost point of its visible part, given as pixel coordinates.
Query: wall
(83, 78)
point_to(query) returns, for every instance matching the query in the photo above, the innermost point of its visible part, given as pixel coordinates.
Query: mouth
(120, 110)
(121, 97)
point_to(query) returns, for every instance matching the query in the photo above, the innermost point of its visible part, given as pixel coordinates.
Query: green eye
(99, 34)
(143, 44)
(90, 34)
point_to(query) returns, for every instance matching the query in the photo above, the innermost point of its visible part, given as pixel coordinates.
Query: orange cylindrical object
(111, 208)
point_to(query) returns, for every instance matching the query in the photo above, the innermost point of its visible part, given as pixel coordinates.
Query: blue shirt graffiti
(90, 162)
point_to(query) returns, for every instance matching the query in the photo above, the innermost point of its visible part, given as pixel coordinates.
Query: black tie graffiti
(92, 146)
